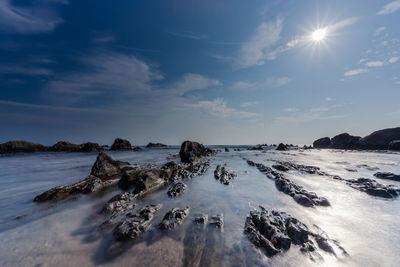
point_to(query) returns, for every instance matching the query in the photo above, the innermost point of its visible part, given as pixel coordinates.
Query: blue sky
(216, 71)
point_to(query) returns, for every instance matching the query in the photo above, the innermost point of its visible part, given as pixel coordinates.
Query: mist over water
(67, 233)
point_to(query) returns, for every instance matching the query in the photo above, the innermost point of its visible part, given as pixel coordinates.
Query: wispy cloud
(394, 59)
(218, 108)
(188, 35)
(313, 114)
(262, 45)
(36, 18)
(390, 8)
(380, 29)
(355, 72)
(192, 81)
(374, 64)
(248, 104)
(276, 82)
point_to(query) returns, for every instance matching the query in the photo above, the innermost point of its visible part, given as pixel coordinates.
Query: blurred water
(67, 234)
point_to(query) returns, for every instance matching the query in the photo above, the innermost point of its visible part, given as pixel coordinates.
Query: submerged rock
(20, 146)
(193, 151)
(121, 144)
(223, 175)
(174, 218)
(136, 224)
(275, 232)
(282, 147)
(156, 145)
(373, 188)
(388, 176)
(177, 189)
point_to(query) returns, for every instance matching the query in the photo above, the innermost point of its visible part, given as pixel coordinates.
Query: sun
(318, 35)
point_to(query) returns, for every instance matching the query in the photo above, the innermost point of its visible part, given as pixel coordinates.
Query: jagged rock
(177, 189)
(121, 144)
(156, 145)
(217, 221)
(226, 149)
(374, 188)
(281, 147)
(201, 219)
(280, 168)
(223, 174)
(193, 151)
(275, 232)
(324, 142)
(20, 146)
(117, 205)
(135, 224)
(388, 176)
(106, 168)
(174, 218)
(394, 145)
(144, 180)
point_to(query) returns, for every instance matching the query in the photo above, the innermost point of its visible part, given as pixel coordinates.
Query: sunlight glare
(318, 35)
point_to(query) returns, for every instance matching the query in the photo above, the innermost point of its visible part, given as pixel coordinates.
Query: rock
(193, 151)
(374, 188)
(106, 168)
(280, 168)
(388, 176)
(137, 148)
(281, 147)
(366, 166)
(118, 205)
(174, 218)
(255, 148)
(177, 189)
(121, 144)
(20, 146)
(223, 175)
(135, 224)
(156, 145)
(217, 221)
(226, 149)
(144, 180)
(324, 142)
(64, 146)
(90, 147)
(381, 139)
(394, 145)
(201, 219)
(275, 232)
(345, 141)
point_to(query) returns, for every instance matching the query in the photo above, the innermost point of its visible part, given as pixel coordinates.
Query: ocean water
(68, 234)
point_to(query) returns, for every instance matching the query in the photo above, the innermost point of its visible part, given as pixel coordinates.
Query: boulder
(173, 218)
(177, 189)
(324, 142)
(226, 149)
(193, 151)
(90, 147)
(144, 180)
(65, 146)
(345, 141)
(121, 144)
(156, 145)
(394, 145)
(223, 175)
(381, 139)
(106, 168)
(20, 146)
(281, 147)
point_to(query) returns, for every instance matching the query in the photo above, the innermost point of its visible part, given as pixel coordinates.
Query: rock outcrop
(156, 145)
(345, 141)
(193, 151)
(324, 142)
(177, 189)
(90, 147)
(174, 218)
(65, 146)
(224, 175)
(121, 144)
(373, 188)
(117, 205)
(388, 176)
(20, 146)
(275, 232)
(381, 139)
(282, 147)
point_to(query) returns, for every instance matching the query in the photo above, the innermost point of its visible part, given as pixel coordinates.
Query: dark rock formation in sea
(282, 147)
(177, 189)
(276, 232)
(394, 145)
(173, 218)
(65, 146)
(192, 151)
(388, 176)
(90, 147)
(378, 140)
(20, 146)
(226, 149)
(121, 144)
(223, 175)
(373, 188)
(156, 145)
(117, 205)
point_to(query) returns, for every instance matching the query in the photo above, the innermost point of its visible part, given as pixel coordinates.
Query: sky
(214, 71)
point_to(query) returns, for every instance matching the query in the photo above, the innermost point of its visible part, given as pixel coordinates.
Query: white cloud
(394, 59)
(192, 81)
(328, 99)
(219, 108)
(248, 104)
(277, 81)
(355, 72)
(342, 24)
(374, 64)
(244, 85)
(380, 29)
(390, 8)
(36, 18)
(262, 45)
(189, 35)
(25, 71)
(363, 60)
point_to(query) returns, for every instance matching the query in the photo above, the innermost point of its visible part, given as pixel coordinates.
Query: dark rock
(365, 166)
(381, 139)
(20, 146)
(106, 168)
(201, 219)
(226, 149)
(135, 224)
(90, 147)
(256, 148)
(217, 221)
(64, 146)
(280, 168)
(223, 174)
(324, 142)
(345, 141)
(350, 170)
(137, 148)
(193, 151)
(177, 189)
(121, 144)
(374, 188)
(156, 145)
(281, 147)
(174, 218)
(118, 205)
(394, 145)
(388, 176)
(144, 180)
